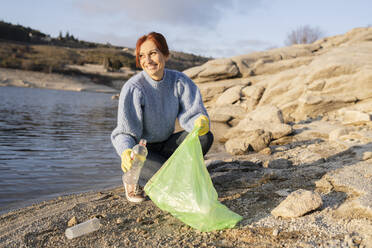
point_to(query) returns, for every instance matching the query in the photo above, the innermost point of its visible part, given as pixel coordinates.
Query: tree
(303, 35)
(116, 64)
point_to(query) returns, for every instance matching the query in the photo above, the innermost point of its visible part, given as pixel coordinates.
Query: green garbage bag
(184, 188)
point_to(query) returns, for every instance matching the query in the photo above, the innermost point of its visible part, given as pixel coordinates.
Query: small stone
(72, 222)
(367, 155)
(283, 192)
(265, 151)
(119, 220)
(275, 232)
(138, 219)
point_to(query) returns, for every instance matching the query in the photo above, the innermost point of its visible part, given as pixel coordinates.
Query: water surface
(54, 143)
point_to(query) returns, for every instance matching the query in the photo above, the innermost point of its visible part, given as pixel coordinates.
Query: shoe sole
(132, 199)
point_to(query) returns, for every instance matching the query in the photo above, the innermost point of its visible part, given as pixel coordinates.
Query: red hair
(159, 42)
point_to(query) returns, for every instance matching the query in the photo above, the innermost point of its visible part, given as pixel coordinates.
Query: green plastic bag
(184, 188)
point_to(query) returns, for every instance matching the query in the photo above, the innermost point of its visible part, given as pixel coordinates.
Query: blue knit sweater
(148, 109)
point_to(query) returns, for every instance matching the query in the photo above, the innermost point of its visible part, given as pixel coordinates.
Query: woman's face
(152, 60)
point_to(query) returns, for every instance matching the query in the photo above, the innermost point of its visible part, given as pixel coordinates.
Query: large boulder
(213, 70)
(331, 81)
(248, 64)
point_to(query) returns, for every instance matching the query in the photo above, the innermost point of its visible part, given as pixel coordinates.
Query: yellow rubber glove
(126, 161)
(202, 122)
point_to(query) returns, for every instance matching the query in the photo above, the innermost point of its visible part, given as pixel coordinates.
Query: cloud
(205, 13)
(217, 48)
(200, 27)
(252, 43)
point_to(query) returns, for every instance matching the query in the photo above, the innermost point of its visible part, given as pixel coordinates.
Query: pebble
(72, 222)
(265, 151)
(119, 220)
(275, 232)
(367, 155)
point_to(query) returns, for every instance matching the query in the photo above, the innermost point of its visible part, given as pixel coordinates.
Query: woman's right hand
(126, 161)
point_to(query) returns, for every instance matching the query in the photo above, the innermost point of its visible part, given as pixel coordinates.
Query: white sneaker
(134, 193)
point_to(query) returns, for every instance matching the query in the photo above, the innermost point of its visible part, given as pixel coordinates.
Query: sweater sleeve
(191, 103)
(129, 124)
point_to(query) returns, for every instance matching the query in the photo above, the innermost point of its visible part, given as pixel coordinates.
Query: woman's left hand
(202, 122)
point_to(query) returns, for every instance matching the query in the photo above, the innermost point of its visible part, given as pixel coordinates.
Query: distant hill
(29, 49)
(20, 33)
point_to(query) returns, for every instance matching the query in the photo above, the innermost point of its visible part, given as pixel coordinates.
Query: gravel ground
(243, 184)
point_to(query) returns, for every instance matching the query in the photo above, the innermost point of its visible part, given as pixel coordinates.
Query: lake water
(54, 143)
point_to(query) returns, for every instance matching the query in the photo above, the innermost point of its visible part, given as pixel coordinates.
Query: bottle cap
(143, 142)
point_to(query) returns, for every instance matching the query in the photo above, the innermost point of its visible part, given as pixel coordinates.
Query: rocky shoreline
(252, 185)
(303, 180)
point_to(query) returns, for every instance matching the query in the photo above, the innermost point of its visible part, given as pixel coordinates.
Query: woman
(149, 104)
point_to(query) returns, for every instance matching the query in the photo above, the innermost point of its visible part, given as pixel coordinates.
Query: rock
(266, 151)
(253, 95)
(280, 163)
(297, 204)
(278, 66)
(337, 133)
(367, 155)
(277, 130)
(354, 116)
(317, 85)
(213, 70)
(326, 71)
(356, 181)
(119, 220)
(249, 141)
(72, 222)
(267, 113)
(249, 64)
(229, 96)
(303, 81)
(212, 90)
(283, 192)
(226, 113)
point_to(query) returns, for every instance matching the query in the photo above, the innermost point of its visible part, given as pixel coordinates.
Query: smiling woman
(149, 104)
(151, 54)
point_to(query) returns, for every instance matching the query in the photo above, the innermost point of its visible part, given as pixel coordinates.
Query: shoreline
(247, 184)
(32, 79)
(323, 155)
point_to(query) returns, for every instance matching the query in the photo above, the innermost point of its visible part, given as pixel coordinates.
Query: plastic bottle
(82, 228)
(138, 155)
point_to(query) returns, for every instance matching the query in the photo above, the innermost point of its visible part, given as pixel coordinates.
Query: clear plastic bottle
(138, 155)
(82, 228)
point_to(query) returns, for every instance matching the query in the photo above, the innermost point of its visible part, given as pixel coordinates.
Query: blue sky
(216, 28)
